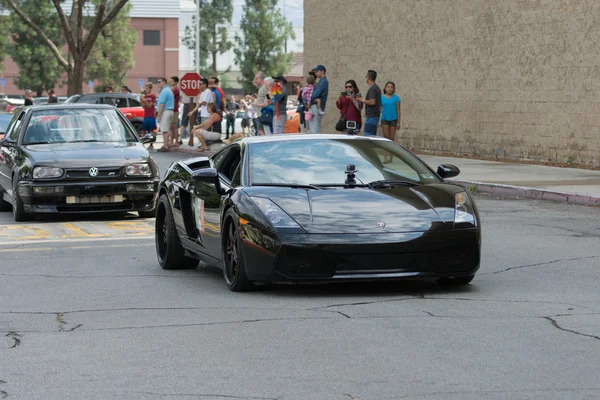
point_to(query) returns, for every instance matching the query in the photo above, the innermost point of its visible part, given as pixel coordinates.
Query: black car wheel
(168, 249)
(234, 270)
(462, 280)
(18, 208)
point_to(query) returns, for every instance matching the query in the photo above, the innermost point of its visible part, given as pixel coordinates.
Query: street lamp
(198, 2)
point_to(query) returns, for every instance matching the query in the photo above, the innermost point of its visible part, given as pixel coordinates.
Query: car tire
(169, 250)
(461, 280)
(19, 213)
(234, 267)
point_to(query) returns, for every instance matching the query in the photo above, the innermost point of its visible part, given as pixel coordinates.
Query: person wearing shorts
(205, 131)
(166, 104)
(148, 100)
(372, 104)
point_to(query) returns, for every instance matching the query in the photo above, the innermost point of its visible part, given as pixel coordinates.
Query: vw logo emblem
(381, 225)
(93, 171)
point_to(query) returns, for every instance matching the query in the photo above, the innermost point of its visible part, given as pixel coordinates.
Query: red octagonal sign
(190, 84)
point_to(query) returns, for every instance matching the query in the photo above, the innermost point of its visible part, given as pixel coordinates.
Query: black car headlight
(138, 170)
(276, 216)
(47, 172)
(463, 209)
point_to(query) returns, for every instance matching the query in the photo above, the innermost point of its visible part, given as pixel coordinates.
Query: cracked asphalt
(101, 320)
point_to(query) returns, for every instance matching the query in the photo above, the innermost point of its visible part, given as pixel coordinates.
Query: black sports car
(75, 158)
(304, 208)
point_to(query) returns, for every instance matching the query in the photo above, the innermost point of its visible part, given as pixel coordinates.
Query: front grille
(454, 258)
(84, 173)
(305, 263)
(92, 190)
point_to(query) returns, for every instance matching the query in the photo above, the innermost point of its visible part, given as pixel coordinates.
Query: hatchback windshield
(323, 162)
(77, 125)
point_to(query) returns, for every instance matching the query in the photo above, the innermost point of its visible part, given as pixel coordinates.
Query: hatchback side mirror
(208, 175)
(447, 171)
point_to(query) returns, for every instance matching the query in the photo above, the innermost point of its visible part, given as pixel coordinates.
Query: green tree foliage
(214, 14)
(261, 46)
(39, 69)
(112, 55)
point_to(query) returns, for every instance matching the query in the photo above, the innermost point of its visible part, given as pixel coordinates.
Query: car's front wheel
(169, 250)
(462, 280)
(19, 213)
(234, 267)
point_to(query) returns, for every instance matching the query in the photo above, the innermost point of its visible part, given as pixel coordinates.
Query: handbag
(266, 116)
(340, 126)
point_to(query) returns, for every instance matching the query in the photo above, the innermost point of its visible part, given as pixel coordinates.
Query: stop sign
(190, 84)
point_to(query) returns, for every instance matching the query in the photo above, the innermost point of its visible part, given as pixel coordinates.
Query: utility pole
(198, 3)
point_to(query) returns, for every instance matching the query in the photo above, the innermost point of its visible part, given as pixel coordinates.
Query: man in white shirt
(206, 96)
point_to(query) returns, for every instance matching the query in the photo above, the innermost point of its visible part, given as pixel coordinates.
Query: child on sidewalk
(148, 101)
(307, 92)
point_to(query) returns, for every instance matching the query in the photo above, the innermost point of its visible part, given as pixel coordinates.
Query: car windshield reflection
(77, 126)
(323, 162)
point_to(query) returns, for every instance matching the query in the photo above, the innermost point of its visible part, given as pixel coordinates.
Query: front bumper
(322, 258)
(56, 202)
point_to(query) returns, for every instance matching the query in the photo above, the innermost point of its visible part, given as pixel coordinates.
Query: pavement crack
(427, 312)
(16, 340)
(3, 394)
(362, 303)
(62, 324)
(545, 263)
(351, 396)
(557, 326)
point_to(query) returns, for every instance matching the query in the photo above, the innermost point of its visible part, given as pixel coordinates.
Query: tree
(4, 33)
(112, 55)
(213, 34)
(80, 45)
(261, 46)
(39, 69)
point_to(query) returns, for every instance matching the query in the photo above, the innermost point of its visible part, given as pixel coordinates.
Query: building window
(151, 38)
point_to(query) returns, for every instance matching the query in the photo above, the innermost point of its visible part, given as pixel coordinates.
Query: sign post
(141, 83)
(190, 86)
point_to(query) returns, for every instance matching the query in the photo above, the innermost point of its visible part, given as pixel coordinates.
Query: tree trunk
(214, 62)
(76, 77)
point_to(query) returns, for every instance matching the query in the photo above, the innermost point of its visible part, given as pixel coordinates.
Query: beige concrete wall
(509, 78)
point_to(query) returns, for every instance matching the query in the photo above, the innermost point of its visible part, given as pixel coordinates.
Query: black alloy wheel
(234, 270)
(19, 213)
(461, 280)
(169, 251)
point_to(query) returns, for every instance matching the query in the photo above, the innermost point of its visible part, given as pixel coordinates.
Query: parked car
(76, 158)
(317, 208)
(8, 104)
(129, 104)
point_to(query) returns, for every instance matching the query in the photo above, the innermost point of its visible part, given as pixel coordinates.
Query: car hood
(86, 154)
(364, 210)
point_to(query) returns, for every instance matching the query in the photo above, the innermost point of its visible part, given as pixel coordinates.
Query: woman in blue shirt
(390, 114)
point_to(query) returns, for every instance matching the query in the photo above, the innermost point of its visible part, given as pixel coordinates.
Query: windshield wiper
(86, 141)
(40, 142)
(390, 183)
(288, 185)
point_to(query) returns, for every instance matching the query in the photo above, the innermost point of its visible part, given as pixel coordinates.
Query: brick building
(513, 79)
(156, 51)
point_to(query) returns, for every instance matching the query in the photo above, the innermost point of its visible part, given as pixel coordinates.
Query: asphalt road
(86, 313)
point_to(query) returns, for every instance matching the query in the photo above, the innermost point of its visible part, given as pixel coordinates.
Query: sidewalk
(565, 185)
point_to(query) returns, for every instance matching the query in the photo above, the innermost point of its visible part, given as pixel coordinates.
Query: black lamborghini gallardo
(317, 208)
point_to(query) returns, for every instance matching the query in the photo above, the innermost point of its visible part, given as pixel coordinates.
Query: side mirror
(7, 143)
(447, 171)
(207, 175)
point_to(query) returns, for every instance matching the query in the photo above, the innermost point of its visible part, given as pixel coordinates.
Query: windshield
(323, 162)
(77, 125)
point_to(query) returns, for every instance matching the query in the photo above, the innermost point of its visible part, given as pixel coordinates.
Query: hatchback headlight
(138, 170)
(276, 216)
(463, 209)
(47, 172)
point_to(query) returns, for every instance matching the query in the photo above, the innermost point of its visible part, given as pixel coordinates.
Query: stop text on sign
(190, 84)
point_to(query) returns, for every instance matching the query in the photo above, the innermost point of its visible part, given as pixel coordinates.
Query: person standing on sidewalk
(321, 92)
(184, 129)
(28, 98)
(390, 114)
(279, 94)
(52, 97)
(372, 104)
(215, 85)
(261, 99)
(148, 100)
(247, 118)
(206, 96)
(174, 129)
(166, 104)
(231, 109)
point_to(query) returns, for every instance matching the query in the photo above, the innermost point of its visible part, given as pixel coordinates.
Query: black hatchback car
(75, 158)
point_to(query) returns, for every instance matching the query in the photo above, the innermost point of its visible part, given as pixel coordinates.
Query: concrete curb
(531, 193)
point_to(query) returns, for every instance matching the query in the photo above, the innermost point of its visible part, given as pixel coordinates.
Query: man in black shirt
(372, 104)
(28, 98)
(231, 108)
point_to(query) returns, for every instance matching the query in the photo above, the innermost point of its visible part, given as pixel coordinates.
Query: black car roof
(71, 105)
(305, 136)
